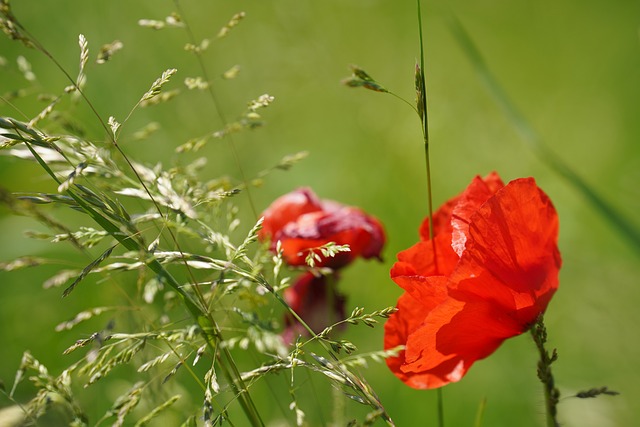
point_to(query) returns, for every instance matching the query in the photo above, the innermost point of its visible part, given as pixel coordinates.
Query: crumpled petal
(417, 270)
(286, 209)
(303, 223)
(504, 241)
(396, 331)
(465, 202)
(474, 196)
(514, 236)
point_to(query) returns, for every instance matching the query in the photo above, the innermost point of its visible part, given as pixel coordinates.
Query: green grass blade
(621, 224)
(480, 414)
(209, 327)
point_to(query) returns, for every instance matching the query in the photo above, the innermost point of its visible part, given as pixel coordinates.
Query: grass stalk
(218, 108)
(421, 95)
(209, 327)
(533, 140)
(203, 318)
(421, 91)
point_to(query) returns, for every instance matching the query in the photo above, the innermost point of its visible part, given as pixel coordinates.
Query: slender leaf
(534, 141)
(88, 270)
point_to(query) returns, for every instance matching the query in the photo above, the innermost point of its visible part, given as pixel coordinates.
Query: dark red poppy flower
(303, 223)
(489, 272)
(317, 301)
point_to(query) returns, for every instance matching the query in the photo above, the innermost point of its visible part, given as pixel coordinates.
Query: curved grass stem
(218, 108)
(625, 228)
(196, 308)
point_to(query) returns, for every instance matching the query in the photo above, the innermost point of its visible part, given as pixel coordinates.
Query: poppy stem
(421, 103)
(440, 407)
(551, 393)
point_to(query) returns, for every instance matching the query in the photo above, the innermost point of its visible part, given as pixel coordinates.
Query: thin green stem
(362, 386)
(198, 310)
(204, 319)
(421, 90)
(218, 108)
(337, 411)
(404, 100)
(440, 407)
(15, 107)
(429, 197)
(113, 140)
(480, 413)
(422, 99)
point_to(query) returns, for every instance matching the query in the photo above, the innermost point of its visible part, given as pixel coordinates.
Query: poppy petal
(399, 326)
(496, 277)
(287, 208)
(514, 237)
(301, 223)
(455, 335)
(478, 192)
(419, 259)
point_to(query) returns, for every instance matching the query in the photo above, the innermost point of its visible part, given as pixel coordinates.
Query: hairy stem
(551, 393)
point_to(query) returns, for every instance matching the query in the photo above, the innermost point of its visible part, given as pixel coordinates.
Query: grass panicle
(193, 275)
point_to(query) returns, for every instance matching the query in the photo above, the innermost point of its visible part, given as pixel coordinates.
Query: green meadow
(569, 69)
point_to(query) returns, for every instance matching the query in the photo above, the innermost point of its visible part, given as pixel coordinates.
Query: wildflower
(489, 272)
(303, 223)
(317, 301)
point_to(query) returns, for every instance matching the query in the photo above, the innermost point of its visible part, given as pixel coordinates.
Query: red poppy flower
(489, 272)
(302, 223)
(317, 301)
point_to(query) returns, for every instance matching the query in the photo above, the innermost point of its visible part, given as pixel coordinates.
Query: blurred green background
(572, 67)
